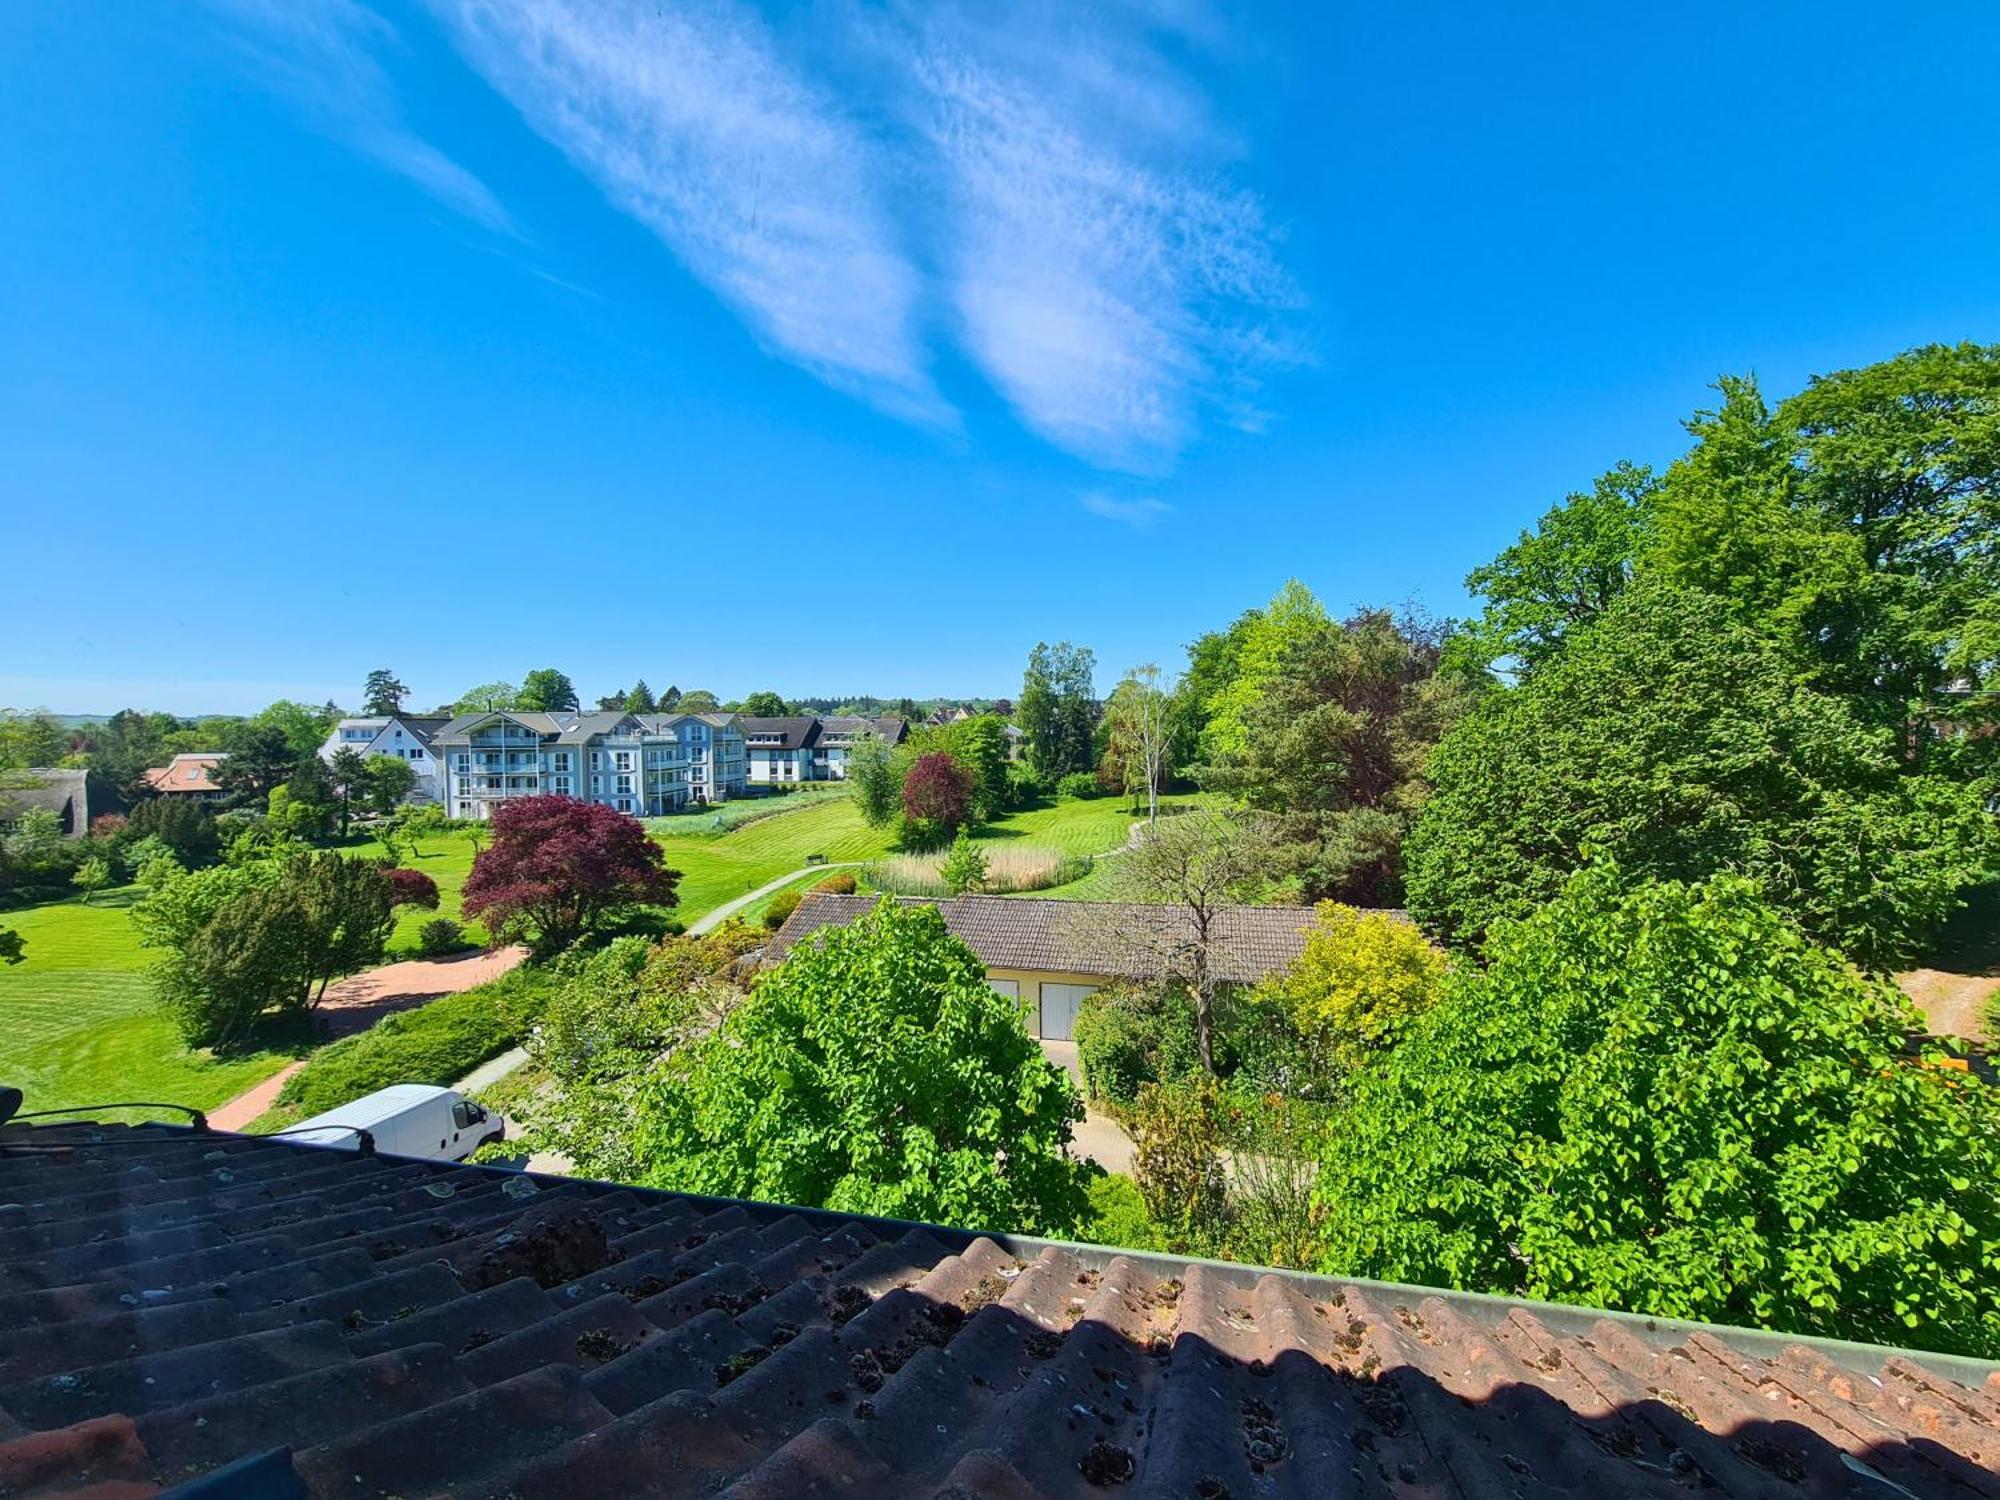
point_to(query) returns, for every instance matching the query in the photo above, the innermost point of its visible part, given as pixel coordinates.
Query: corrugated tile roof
(173, 1301)
(174, 776)
(1112, 938)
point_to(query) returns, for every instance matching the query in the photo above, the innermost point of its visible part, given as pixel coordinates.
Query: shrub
(440, 936)
(1118, 1215)
(843, 884)
(781, 906)
(964, 867)
(1364, 975)
(437, 1044)
(1178, 1135)
(1079, 785)
(611, 1018)
(1026, 785)
(411, 888)
(1129, 1036)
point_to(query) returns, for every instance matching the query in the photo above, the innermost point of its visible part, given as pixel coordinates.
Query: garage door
(1059, 1003)
(1011, 988)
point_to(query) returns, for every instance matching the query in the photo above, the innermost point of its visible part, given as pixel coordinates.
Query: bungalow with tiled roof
(1053, 953)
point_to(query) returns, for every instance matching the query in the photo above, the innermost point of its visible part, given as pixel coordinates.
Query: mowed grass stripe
(79, 1036)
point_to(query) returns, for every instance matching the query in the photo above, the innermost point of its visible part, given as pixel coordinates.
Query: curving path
(359, 1001)
(714, 919)
(494, 1069)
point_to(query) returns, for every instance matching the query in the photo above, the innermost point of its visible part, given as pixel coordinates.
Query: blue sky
(851, 348)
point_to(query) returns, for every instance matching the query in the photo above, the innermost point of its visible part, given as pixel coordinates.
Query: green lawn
(77, 1024)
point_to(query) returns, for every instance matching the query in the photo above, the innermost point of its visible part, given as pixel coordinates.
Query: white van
(406, 1119)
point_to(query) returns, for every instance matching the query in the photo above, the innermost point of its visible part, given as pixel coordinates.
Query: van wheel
(492, 1140)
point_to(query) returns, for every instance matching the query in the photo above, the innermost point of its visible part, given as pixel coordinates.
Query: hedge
(437, 1043)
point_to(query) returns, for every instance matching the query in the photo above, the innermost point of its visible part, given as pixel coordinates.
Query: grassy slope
(79, 1024)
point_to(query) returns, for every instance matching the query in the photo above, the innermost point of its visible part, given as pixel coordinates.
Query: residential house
(793, 749)
(407, 737)
(1052, 954)
(641, 764)
(75, 797)
(188, 777)
(715, 753)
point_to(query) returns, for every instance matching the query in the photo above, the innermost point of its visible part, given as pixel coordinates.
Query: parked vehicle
(406, 1119)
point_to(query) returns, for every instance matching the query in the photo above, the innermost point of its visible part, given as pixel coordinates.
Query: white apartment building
(643, 764)
(407, 737)
(786, 751)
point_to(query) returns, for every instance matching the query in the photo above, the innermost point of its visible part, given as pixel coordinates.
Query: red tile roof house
(189, 775)
(200, 1313)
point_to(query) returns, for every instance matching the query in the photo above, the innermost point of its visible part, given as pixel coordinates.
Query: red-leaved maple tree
(411, 888)
(559, 868)
(937, 794)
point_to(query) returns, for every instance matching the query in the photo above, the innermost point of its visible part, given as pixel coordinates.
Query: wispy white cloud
(1105, 279)
(690, 120)
(321, 54)
(1044, 189)
(1142, 512)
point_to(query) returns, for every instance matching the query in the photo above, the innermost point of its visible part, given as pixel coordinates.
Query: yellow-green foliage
(1363, 976)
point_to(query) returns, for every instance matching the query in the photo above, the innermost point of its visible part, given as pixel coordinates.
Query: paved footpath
(358, 1002)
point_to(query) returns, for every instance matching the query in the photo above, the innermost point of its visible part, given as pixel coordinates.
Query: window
(596, 760)
(562, 786)
(622, 760)
(624, 804)
(561, 761)
(624, 785)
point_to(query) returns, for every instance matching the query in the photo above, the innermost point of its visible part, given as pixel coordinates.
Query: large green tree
(1855, 523)
(260, 757)
(487, 697)
(1667, 1099)
(1332, 744)
(874, 1072)
(1057, 709)
(549, 691)
(1564, 573)
(1678, 741)
(383, 693)
(765, 705)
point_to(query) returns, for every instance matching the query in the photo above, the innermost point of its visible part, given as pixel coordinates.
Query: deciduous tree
(560, 868)
(765, 705)
(874, 1072)
(1058, 707)
(937, 798)
(1198, 865)
(1666, 1099)
(1680, 743)
(487, 698)
(872, 780)
(548, 691)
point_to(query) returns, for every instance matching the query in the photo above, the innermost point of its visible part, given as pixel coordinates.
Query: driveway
(359, 1001)
(1099, 1138)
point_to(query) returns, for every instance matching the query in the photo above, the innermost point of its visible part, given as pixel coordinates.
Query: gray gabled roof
(1114, 939)
(803, 731)
(459, 727)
